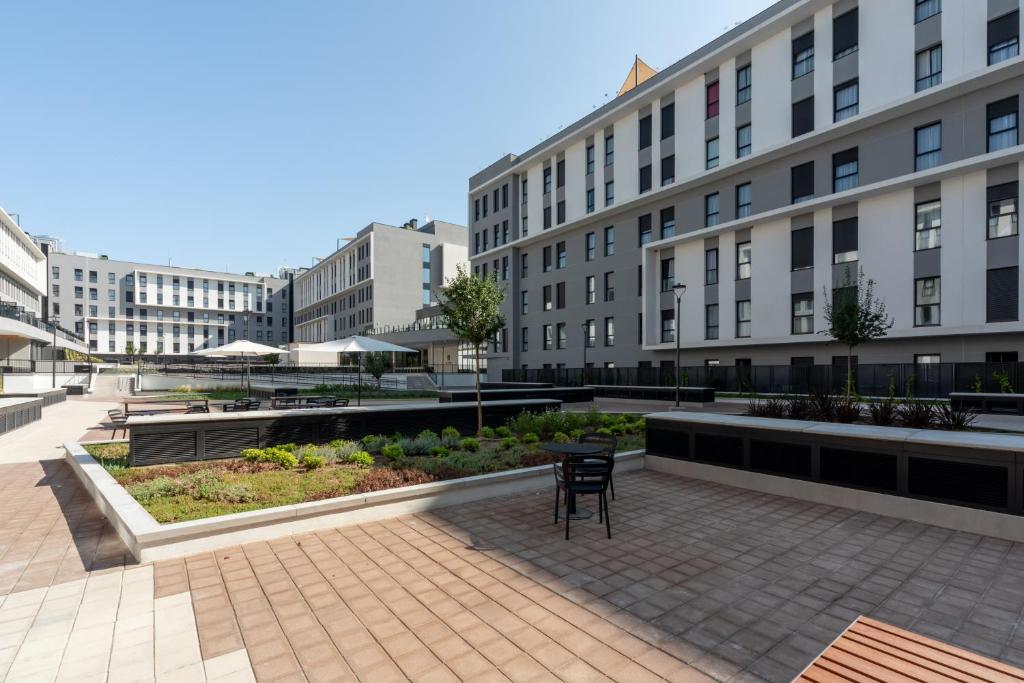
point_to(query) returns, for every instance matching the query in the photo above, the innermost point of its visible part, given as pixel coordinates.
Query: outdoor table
(567, 449)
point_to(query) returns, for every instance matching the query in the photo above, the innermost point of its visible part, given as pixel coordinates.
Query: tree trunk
(479, 401)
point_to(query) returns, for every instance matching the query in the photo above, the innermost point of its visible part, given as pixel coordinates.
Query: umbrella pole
(359, 379)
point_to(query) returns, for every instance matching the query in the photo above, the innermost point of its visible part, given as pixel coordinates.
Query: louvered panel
(859, 469)
(300, 433)
(959, 482)
(668, 443)
(166, 447)
(777, 457)
(229, 443)
(720, 450)
(1001, 298)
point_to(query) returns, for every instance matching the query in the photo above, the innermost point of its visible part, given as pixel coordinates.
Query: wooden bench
(870, 650)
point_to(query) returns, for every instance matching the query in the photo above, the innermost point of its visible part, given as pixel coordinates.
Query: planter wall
(563, 394)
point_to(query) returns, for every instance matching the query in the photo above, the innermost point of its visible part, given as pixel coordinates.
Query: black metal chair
(583, 475)
(118, 420)
(610, 444)
(253, 405)
(197, 407)
(239, 405)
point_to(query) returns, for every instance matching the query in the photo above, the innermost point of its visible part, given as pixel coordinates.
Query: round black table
(568, 449)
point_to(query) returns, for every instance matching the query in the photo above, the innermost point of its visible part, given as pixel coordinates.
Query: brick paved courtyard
(699, 581)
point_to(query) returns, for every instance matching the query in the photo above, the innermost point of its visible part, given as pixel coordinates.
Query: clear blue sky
(250, 135)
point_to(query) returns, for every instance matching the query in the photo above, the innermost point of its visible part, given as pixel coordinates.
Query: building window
(645, 131)
(743, 200)
(524, 228)
(590, 246)
(504, 196)
(547, 337)
(668, 274)
(609, 150)
(668, 169)
(803, 313)
(743, 256)
(524, 185)
(844, 240)
(1001, 295)
(803, 54)
(846, 100)
(590, 333)
(560, 295)
(711, 210)
(590, 289)
(711, 321)
(524, 339)
(926, 8)
(1003, 37)
(560, 212)
(609, 193)
(609, 241)
(743, 84)
(712, 100)
(590, 200)
(845, 170)
(743, 318)
(927, 225)
(1002, 210)
(711, 266)
(547, 259)
(609, 331)
(549, 302)
(643, 229)
(711, 153)
(926, 301)
(668, 222)
(524, 302)
(668, 121)
(547, 185)
(562, 340)
(562, 258)
(609, 286)
(743, 141)
(803, 116)
(844, 34)
(524, 265)
(668, 325)
(802, 182)
(801, 248)
(927, 146)
(547, 222)
(928, 68)
(646, 178)
(560, 173)
(1002, 124)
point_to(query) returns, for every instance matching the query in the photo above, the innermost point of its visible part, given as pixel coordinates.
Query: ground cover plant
(295, 473)
(912, 412)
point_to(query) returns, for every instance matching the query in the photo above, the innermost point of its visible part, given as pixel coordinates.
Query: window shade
(803, 116)
(1002, 107)
(803, 248)
(802, 180)
(803, 42)
(1001, 296)
(844, 236)
(1004, 28)
(844, 32)
(1004, 191)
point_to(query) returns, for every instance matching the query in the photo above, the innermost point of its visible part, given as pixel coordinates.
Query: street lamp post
(586, 339)
(678, 290)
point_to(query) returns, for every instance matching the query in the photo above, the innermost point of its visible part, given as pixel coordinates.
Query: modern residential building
(896, 153)
(164, 310)
(23, 332)
(380, 278)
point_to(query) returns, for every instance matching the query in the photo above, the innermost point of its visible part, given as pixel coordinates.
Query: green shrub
(469, 444)
(290, 447)
(326, 453)
(561, 437)
(502, 432)
(280, 457)
(373, 443)
(576, 434)
(392, 451)
(605, 431)
(487, 432)
(312, 462)
(529, 437)
(450, 433)
(428, 434)
(361, 458)
(508, 442)
(252, 454)
(439, 451)
(618, 429)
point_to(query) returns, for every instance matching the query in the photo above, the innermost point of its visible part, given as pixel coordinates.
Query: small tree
(376, 364)
(471, 308)
(272, 358)
(129, 350)
(855, 316)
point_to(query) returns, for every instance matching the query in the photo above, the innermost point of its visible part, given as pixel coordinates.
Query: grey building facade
(164, 310)
(813, 141)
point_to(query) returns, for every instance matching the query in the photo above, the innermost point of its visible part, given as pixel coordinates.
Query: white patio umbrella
(244, 348)
(359, 345)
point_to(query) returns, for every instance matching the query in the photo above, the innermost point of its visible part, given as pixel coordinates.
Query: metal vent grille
(159, 448)
(959, 482)
(721, 450)
(228, 443)
(780, 458)
(303, 432)
(855, 468)
(668, 443)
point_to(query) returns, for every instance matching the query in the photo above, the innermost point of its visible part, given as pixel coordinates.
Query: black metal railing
(15, 312)
(931, 380)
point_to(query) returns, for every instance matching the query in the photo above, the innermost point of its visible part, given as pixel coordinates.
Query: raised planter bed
(563, 394)
(945, 478)
(50, 396)
(1008, 404)
(18, 412)
(147, 540)
(699, 395)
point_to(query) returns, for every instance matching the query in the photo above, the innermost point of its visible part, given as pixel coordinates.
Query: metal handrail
(15, 312)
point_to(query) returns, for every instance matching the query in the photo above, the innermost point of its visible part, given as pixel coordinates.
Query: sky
(248, 135)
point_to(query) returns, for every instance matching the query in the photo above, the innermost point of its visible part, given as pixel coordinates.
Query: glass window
(711, 321)
(1003, 37)
(668, 325)
(668, 121)
(609, 241)
(590, 200)
(743, 318)
(646, 178)
(609, 331)
(668, 169)
(1002, 218)
(562, 339)
(927, 146)
(590, 245)
(547, 337)
(590, 159)
(590, 333)
(926, 8)
(845, 170)
(743, 145)
(927, 225)
(926, 301)
(609, 286)
(803, 313)
(668, 222)
(591, 289)
(743, 256)
(668, 274)
(803, 55)
(609, 193)
(743, 84)
(711, 266)
(844, 240)
(1002, 124)
(711, 153)
(743, 200)
(846, 100)
(644, 229)
(845, 34)
(547, 186)
(609, 150)
(711, 210)
(928, 68)
(646, 124)
(561, 254)
(712, 100)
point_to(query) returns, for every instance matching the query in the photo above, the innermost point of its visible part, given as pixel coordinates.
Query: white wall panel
(886, 53)
(770, 88)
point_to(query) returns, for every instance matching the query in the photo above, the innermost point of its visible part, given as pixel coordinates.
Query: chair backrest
(115, 412)
(588, 469)
(610, 443)
(253, 405)
(341, 402)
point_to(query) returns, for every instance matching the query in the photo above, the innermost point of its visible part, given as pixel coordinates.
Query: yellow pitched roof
(638, 73)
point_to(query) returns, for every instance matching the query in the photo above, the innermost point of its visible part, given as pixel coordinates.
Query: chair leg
(611, 482)
(600, 509)
(558, 490)
(607, 517)
(567, 494)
